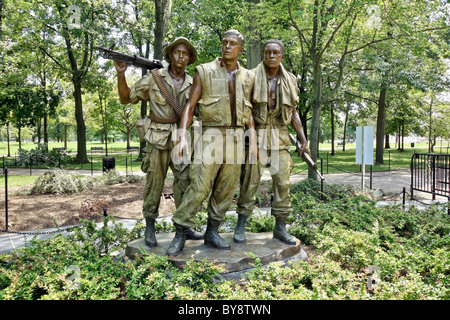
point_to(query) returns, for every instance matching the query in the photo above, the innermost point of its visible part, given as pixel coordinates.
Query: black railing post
(404, 197)
(92, 167)
(6, 199)
(321, 180)
(371, 176)
(412, 176)
(389, 160)
(433, 186)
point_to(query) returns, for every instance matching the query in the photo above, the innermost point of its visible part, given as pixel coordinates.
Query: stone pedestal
(262, 245)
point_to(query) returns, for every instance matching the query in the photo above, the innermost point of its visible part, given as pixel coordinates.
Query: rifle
(306, 156)
(134, 60)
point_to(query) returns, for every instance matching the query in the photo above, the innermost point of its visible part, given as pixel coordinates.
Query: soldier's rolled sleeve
(140, 90)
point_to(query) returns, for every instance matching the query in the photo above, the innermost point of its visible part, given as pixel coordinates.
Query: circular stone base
(262, 245)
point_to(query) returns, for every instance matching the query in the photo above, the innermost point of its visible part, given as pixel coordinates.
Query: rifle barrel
(134, 60)
(306, 156)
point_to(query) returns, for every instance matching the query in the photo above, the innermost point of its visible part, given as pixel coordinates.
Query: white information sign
(364, 149)
(364, 145)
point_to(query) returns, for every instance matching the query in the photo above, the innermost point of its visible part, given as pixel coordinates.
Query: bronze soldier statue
(162, 88)
(275, 97)
(222, 90)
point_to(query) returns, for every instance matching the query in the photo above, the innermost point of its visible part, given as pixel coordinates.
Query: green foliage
(40, 156)
(348, 234)
(63, 182)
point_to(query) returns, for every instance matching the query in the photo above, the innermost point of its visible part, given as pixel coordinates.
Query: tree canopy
(386, 59)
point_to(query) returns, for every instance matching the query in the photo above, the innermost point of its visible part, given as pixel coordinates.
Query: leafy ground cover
(361, 251)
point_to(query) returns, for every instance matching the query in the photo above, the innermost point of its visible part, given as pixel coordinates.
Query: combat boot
(280, 232)
(212, 236)
(191, 234)
(149, 234)
(178, 241)
(239, 231)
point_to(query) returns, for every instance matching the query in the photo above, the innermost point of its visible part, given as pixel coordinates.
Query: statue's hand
(304, 149)
(183, 146)
(121, 66)
(253, 153)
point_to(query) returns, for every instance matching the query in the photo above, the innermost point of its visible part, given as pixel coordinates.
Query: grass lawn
(341, 161)
(17, 181)
(344, 161)
(113, 147)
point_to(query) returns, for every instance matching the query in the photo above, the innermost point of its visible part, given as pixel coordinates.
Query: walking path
(388, 182)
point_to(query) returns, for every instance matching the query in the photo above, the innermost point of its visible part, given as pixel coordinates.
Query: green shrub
(360, 252)
(40, 156)
(63, 182)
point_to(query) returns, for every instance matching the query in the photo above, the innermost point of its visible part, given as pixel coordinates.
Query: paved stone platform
(262, 245)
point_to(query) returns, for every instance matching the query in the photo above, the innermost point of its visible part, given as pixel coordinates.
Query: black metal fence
(430, 172)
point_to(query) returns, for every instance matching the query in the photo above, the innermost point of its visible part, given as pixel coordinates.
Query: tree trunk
(128, 138)
(1, 14)
(7, 134)
(332, 129)
(65, 136)
(19, 136)
(430, 131)
(315, 121)
(81, 126)
(253, 50)
(387, 144)
(345, 130)
(163, 9)
(46, 132)
(381, 125)
(403, 134)
(38, 128)
(433, 143)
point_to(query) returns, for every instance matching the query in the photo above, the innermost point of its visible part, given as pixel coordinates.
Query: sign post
(364, 149)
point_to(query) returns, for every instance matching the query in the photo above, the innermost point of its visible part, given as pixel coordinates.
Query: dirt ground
(35, 212)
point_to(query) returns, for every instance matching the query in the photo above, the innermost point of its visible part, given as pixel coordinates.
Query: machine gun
(306, 156)
(133, 60)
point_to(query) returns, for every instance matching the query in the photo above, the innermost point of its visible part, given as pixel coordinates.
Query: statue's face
(231, 47)
(273, 55)
(180, 56)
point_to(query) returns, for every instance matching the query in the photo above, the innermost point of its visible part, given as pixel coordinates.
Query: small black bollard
(105, 214)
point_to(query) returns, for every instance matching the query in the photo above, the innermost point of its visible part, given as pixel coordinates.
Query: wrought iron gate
(430, 172)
